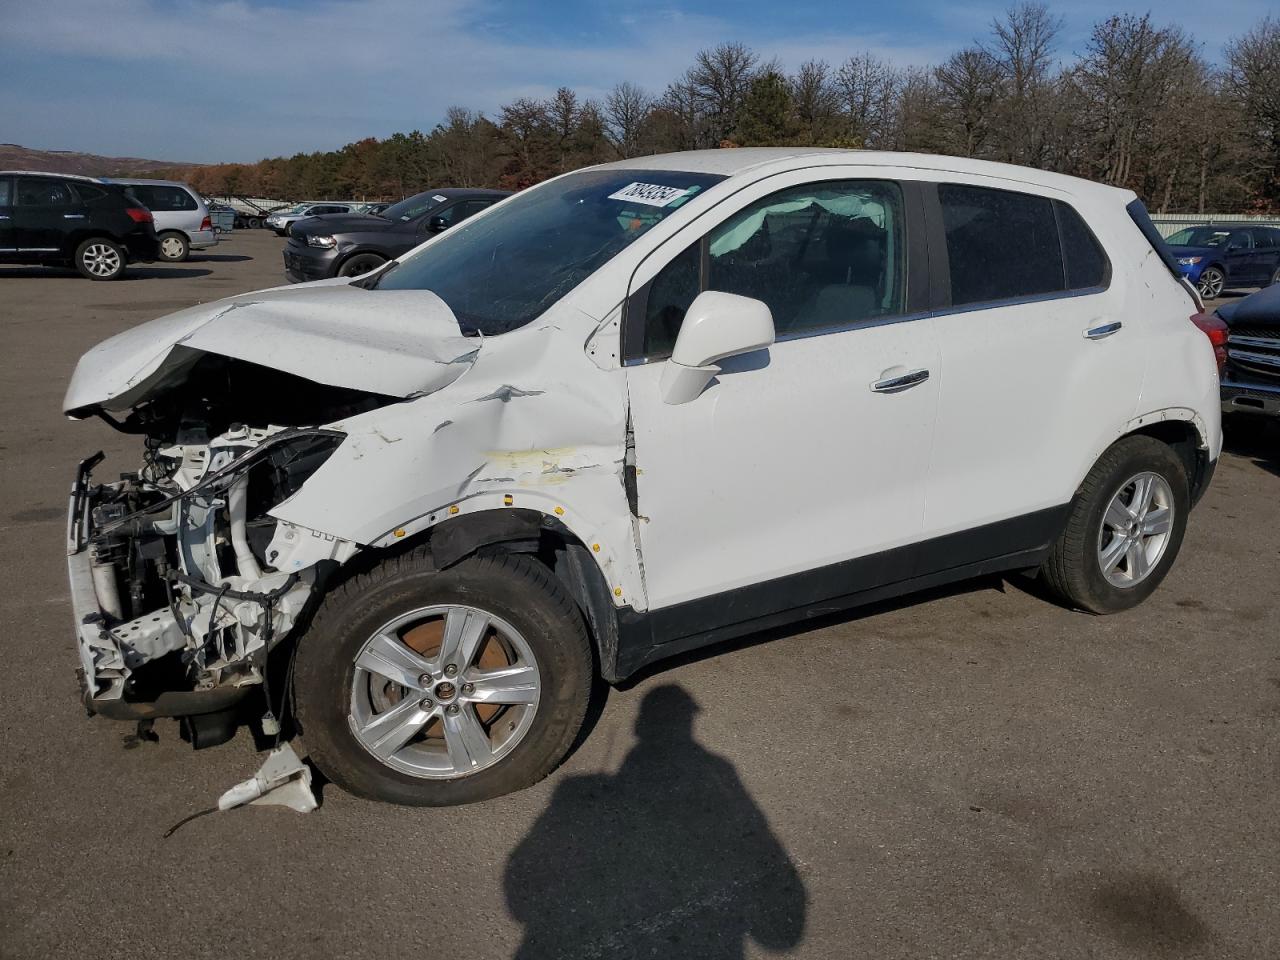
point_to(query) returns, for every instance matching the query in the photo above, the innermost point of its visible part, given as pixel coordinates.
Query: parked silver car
(182, 217)
(281, 220)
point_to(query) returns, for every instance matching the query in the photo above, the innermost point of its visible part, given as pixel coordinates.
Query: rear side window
(33, 192)
(4, 192)
(162, 199)
(1002, 245)
(91, 192)
(1264, 238)
(1086, 263)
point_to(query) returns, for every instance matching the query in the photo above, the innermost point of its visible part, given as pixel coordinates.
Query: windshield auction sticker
(650, 194)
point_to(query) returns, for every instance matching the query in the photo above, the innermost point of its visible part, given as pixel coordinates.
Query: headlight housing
(324, 243)
(1189, 261)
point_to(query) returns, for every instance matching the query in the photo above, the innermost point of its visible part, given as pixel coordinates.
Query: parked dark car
(347, 245)
(1218, 258)
(1251, 344)
(63, 220)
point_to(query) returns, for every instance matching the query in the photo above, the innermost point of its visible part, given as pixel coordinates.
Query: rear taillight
(139, 214)
(206, 224)
(1216, 330)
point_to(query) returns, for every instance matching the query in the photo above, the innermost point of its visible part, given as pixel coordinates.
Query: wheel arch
(1184, 431)
(576, 565)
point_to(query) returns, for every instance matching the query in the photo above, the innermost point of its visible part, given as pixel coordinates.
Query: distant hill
(15, 157)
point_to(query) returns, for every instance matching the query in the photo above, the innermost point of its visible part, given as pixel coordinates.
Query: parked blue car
(1217, 258)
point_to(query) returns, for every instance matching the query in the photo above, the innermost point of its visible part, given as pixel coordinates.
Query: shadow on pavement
(669, 857)
(218, 257)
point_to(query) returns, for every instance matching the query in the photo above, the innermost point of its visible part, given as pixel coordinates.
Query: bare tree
(816, 100)
(1022, 48)
(1252, 78)
(720, 79)
(867, 87)
(969, 83)
(626, 107)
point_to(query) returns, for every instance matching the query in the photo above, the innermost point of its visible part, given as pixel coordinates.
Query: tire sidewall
(326, 666)
(86, 272)
(1154, 457)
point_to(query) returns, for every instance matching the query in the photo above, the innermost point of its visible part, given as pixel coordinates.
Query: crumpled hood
(398, 343)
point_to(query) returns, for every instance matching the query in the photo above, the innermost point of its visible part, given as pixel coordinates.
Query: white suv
(626, 413)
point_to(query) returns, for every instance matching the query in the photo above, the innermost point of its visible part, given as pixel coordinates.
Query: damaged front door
(800, 457)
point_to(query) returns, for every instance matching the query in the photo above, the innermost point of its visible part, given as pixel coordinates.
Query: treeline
(1140, 107)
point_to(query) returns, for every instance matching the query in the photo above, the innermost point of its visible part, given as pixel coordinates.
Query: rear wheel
(1211, 282)
(101, 259)
(1275, 277)
(434, 687)
(360, 263)
(1124, 530)
(174, 247)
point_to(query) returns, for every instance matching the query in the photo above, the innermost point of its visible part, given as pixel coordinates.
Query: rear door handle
(903, 382)
(73, 216)
(1103, 330)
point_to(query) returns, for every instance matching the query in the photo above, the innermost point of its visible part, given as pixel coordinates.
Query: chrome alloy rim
(1135, 529)
(443, 692)
(1211, 282)
(101, 260)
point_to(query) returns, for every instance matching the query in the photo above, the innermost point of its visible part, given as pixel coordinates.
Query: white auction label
(650, 194)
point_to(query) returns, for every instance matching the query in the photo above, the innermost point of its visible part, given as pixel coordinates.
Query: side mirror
(716, 325)
(436, 224)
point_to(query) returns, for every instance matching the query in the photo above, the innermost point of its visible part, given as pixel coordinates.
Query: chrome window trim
(1020, 301)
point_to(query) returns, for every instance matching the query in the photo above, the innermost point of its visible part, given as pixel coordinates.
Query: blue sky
(211, 80)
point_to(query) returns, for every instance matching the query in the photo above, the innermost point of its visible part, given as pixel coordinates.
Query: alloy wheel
(101, 259)
(1211, 282)
(1135, 529)
(171, 247)
(444, 691)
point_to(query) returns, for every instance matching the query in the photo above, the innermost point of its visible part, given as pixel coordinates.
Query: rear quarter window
(1083, 257)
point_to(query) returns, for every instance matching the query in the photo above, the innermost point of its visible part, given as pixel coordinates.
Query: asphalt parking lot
(975, 773)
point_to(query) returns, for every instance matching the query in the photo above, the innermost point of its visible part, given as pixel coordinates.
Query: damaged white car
(626, 413)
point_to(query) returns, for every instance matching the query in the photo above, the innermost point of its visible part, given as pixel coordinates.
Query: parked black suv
(347, 245)
(1251, 378)
(59, 219)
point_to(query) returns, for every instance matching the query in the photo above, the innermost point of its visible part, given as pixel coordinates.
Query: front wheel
(360, 264)
(1211, 282)
(1124, 529)
(434, 687)
(101, 259)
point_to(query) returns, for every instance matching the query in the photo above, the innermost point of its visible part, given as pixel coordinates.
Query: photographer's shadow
(670, 857)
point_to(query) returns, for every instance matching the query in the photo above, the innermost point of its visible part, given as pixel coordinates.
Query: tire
(360, 263)
(386, 609)
(1211, 283)
(101, 259)
(255, 223)
(1275, 277)
(174, 247)
(1074, 569)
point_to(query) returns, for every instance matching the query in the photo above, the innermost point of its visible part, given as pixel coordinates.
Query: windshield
(1200, 237)
(413, 207)
(501, 270)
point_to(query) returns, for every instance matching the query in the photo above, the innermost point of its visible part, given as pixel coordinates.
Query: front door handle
(1103, 330)
(73, 216)
(899, 383)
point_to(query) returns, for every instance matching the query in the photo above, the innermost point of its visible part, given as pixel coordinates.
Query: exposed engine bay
(182, 580)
